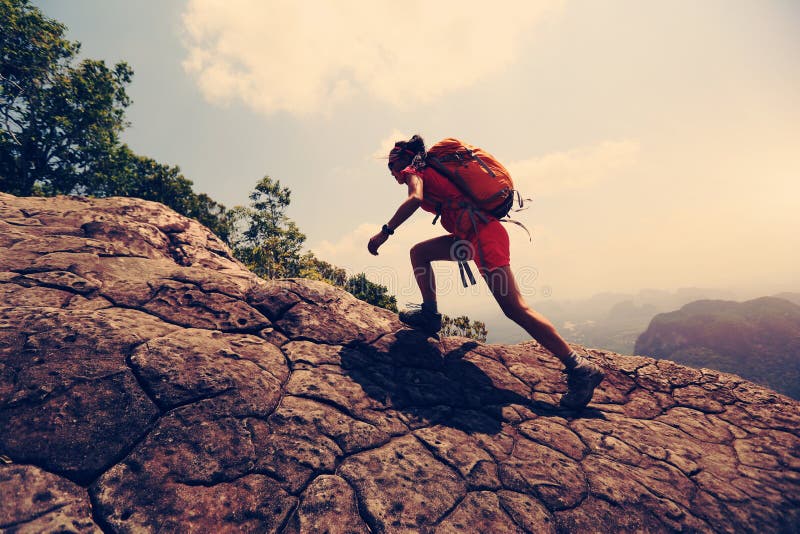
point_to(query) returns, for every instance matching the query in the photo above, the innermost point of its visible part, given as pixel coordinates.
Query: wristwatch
(386, 230)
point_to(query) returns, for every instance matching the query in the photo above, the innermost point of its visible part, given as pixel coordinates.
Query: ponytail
(411, 151)
(416, 145)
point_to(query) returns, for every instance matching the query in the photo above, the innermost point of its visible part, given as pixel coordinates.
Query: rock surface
(148, 382)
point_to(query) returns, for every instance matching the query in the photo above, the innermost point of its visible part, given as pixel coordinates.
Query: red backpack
(477, 174)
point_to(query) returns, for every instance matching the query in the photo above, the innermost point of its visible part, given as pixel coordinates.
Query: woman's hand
(405, 210)
(375, 242)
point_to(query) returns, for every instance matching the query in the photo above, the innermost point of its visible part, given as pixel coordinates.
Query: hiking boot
(581, 381)
(422, 319)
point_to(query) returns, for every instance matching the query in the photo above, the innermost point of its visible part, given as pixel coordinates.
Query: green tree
(270, 244)
(465, 327)
(316, 269)
(59, 121)
(60, 124)
(265, 239)
(375, 294)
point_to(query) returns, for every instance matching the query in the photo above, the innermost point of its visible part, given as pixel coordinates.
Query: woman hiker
(429, 189)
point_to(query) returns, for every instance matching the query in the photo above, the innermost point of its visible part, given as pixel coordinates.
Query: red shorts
(491, 248)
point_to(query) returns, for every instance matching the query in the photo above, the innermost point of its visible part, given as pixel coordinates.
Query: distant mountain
(758, 339)
(611, 321)
(791, 297)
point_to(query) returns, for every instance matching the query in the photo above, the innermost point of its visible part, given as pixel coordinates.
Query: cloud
(573, 169)
(306, 57)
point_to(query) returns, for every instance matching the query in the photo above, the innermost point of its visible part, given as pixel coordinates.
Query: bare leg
(422, 254)
(506, 292)
(583, 376)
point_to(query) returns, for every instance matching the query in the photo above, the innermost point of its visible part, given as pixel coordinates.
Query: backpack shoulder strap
(452, 176)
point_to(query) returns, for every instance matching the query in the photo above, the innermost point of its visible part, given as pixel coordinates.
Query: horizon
(660, 136)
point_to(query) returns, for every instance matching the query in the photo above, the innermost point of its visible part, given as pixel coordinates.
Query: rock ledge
(149, 382)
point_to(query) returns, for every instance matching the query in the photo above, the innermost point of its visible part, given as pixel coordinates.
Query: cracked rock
(149, 382)
(37, 501)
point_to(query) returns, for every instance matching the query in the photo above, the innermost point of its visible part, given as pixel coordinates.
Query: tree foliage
(270, 244)
(317, 269)
(463, 326)
(60, 123)
(265, 239)
(371, 292)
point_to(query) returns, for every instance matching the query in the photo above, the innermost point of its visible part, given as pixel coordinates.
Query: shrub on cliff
(465, 327)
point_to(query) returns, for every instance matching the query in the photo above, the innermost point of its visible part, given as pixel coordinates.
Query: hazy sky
(659, 140)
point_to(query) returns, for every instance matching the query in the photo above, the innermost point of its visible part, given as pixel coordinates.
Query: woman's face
(395, 170)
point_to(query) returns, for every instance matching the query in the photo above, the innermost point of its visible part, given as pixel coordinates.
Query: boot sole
(421, 329)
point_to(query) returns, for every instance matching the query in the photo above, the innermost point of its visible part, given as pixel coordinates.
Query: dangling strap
(472, 211)
(438, 212)
(521, 201)
(508, 219)
(462, 267)
(512, 221)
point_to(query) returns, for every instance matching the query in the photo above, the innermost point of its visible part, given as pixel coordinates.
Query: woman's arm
(404, 211)
(409, 205)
